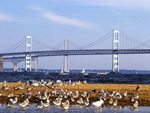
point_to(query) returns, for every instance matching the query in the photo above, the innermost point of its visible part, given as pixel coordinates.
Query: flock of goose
(44, 97)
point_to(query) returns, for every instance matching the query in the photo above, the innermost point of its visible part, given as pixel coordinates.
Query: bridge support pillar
(1, 64)
(28, 47)
(36, 64)
(115, 56)
(15, 67)
(66, 58)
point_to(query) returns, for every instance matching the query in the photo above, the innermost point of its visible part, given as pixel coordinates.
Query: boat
(63, 73)
(83, 72)
(102, 73)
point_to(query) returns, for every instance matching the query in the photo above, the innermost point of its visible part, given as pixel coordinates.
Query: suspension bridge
(113, 49)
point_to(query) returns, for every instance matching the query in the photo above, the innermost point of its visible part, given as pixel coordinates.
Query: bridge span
(78, 52)
(30, 55)
(36, 54)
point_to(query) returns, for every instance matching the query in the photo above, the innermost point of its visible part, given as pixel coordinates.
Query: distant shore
(143, 100)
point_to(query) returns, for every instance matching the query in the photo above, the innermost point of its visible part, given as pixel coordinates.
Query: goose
(98, 103)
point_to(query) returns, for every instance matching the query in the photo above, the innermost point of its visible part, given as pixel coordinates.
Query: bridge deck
(79, 52)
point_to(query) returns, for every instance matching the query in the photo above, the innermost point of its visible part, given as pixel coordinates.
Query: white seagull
(135, 104)
(24, 103)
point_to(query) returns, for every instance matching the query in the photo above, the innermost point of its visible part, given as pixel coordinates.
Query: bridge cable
(143, 44)
(98, 41)
(15, 46)
(132, 39)
(59, 45)
(42, 44)
(75, 45)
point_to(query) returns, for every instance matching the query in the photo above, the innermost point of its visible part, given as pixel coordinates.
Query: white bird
(5, 87)
(38, 94)
(1, 93)
(57, 102)
(115, 103)
(136, 96)
(132, 99)
(75, 94)
(98, 103)
(40, 105)
(86, 101)
(43, 97)
(72, 99)
(135, 104)
(80, 101)
(46, 104)
(21, 87)
(44, 92)
(14, 101)
(10, 94)
(84, 94)
(66, 105)
(24, 103)
(111, 101)
(9, 103)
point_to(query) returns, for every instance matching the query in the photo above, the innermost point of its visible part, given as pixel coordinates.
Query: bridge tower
(28, 47)
(66, 58)
(115, 56)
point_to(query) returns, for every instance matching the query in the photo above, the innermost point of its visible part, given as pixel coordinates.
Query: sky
(79, 21)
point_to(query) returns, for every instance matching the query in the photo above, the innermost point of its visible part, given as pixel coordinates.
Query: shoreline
(143, 100)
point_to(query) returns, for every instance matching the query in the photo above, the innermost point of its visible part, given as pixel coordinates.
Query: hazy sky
(79, 21)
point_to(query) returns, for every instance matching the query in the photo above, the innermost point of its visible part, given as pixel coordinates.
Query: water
(74, 109)
(91, 78)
